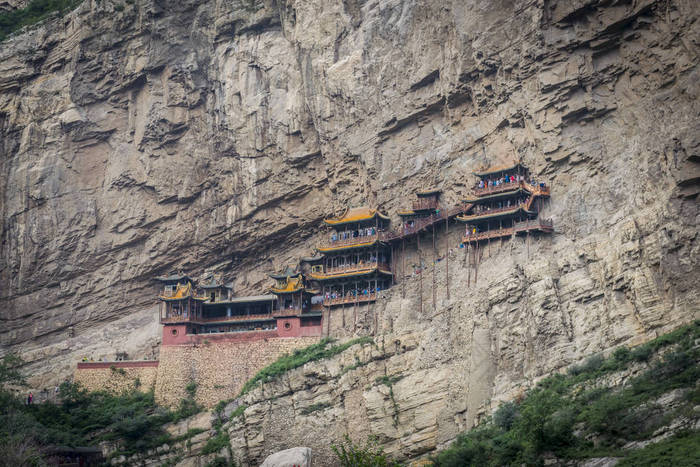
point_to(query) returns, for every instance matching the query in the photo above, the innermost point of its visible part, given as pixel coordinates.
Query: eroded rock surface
(139, 138)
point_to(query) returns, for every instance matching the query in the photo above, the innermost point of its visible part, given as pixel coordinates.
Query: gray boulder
(294, 457)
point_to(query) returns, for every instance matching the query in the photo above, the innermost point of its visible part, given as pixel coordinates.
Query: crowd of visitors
(364, 232)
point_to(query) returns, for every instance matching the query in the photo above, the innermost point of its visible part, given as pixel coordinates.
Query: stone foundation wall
(220, 369)
(117, 376)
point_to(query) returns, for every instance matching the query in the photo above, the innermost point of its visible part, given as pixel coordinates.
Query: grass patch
(678, 451)
(298, 358)
(559, 417)
(216, 443)
(239, 411)
(314, 408)
(34, 12)
(370, 454)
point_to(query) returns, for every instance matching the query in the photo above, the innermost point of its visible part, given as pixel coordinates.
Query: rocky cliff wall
(143, 137)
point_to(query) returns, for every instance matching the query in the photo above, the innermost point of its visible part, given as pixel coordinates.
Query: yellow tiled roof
(294, 284)
(183, 291)
(356, 215)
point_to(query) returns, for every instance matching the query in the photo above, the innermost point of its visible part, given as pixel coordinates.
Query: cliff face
(139, 138)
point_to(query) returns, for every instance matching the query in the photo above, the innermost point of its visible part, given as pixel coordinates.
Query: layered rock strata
(139, 138)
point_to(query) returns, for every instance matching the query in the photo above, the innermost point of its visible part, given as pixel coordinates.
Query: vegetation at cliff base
(35, 11)
(321, 350)
(80, 418)
(574, 416)
(370, 454)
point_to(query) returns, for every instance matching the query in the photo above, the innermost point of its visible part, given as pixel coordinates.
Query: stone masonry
(219, 369)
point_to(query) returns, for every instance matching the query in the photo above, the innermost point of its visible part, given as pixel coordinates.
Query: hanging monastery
(222, 339)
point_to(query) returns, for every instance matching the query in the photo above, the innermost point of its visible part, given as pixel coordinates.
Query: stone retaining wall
(219, 369)
(117, 376)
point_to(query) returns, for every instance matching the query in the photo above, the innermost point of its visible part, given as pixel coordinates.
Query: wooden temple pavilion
(179, 302)
(355, 262)
(210, 308)
(506, 202)
(294, 300)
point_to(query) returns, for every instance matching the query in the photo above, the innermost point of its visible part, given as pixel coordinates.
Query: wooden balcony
(348, 242)
(350, 300)
(491, 190)
(350, 268)
(175, 319)
(541, 225)
(218, 319)
(491, 212)
(294, 311)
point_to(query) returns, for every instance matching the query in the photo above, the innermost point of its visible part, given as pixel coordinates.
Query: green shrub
(298, 358)
(220, 461)
(368, 455)
(544, 421)
(216, 443)
(505, 416)
(35, 11)
(681, 450)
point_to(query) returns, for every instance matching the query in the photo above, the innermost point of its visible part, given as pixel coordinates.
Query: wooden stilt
(403, 268)
(447, 254)
(434, 268)
(420, 268)
(342, 294)
(468, 261)
(354, 311)
(476, 262)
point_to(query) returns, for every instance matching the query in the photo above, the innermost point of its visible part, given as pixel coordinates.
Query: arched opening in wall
(287, 325)
(173, 332)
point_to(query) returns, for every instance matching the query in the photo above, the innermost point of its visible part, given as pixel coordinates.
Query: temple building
(425, 212)
(506, 201)
(294, 308)
(189, 310)
(179, 302)
(355, 263)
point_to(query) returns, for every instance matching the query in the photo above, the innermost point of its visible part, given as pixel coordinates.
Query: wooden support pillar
(434, 268)
(447, 254)
(420, 268)
(403, 268)
(354, 318)
(467, 262)
(342, 301)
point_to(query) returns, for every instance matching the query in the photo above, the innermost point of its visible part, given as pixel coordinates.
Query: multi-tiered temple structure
(506, 202)
(354, 263)
(188, 310)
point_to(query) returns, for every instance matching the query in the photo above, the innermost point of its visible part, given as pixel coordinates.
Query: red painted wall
(294, 330)
(175, 334)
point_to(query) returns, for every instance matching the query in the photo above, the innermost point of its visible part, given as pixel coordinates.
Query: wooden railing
(545, 225)
(350, 300)
(355, 268)
(176, 319)
(218, 319)
(294, 311)
(494, 211)
(489, 190)
(352, 241)
(541, 224)
(423, 223)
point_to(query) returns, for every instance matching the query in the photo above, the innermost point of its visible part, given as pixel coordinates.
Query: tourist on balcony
(334, 237)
